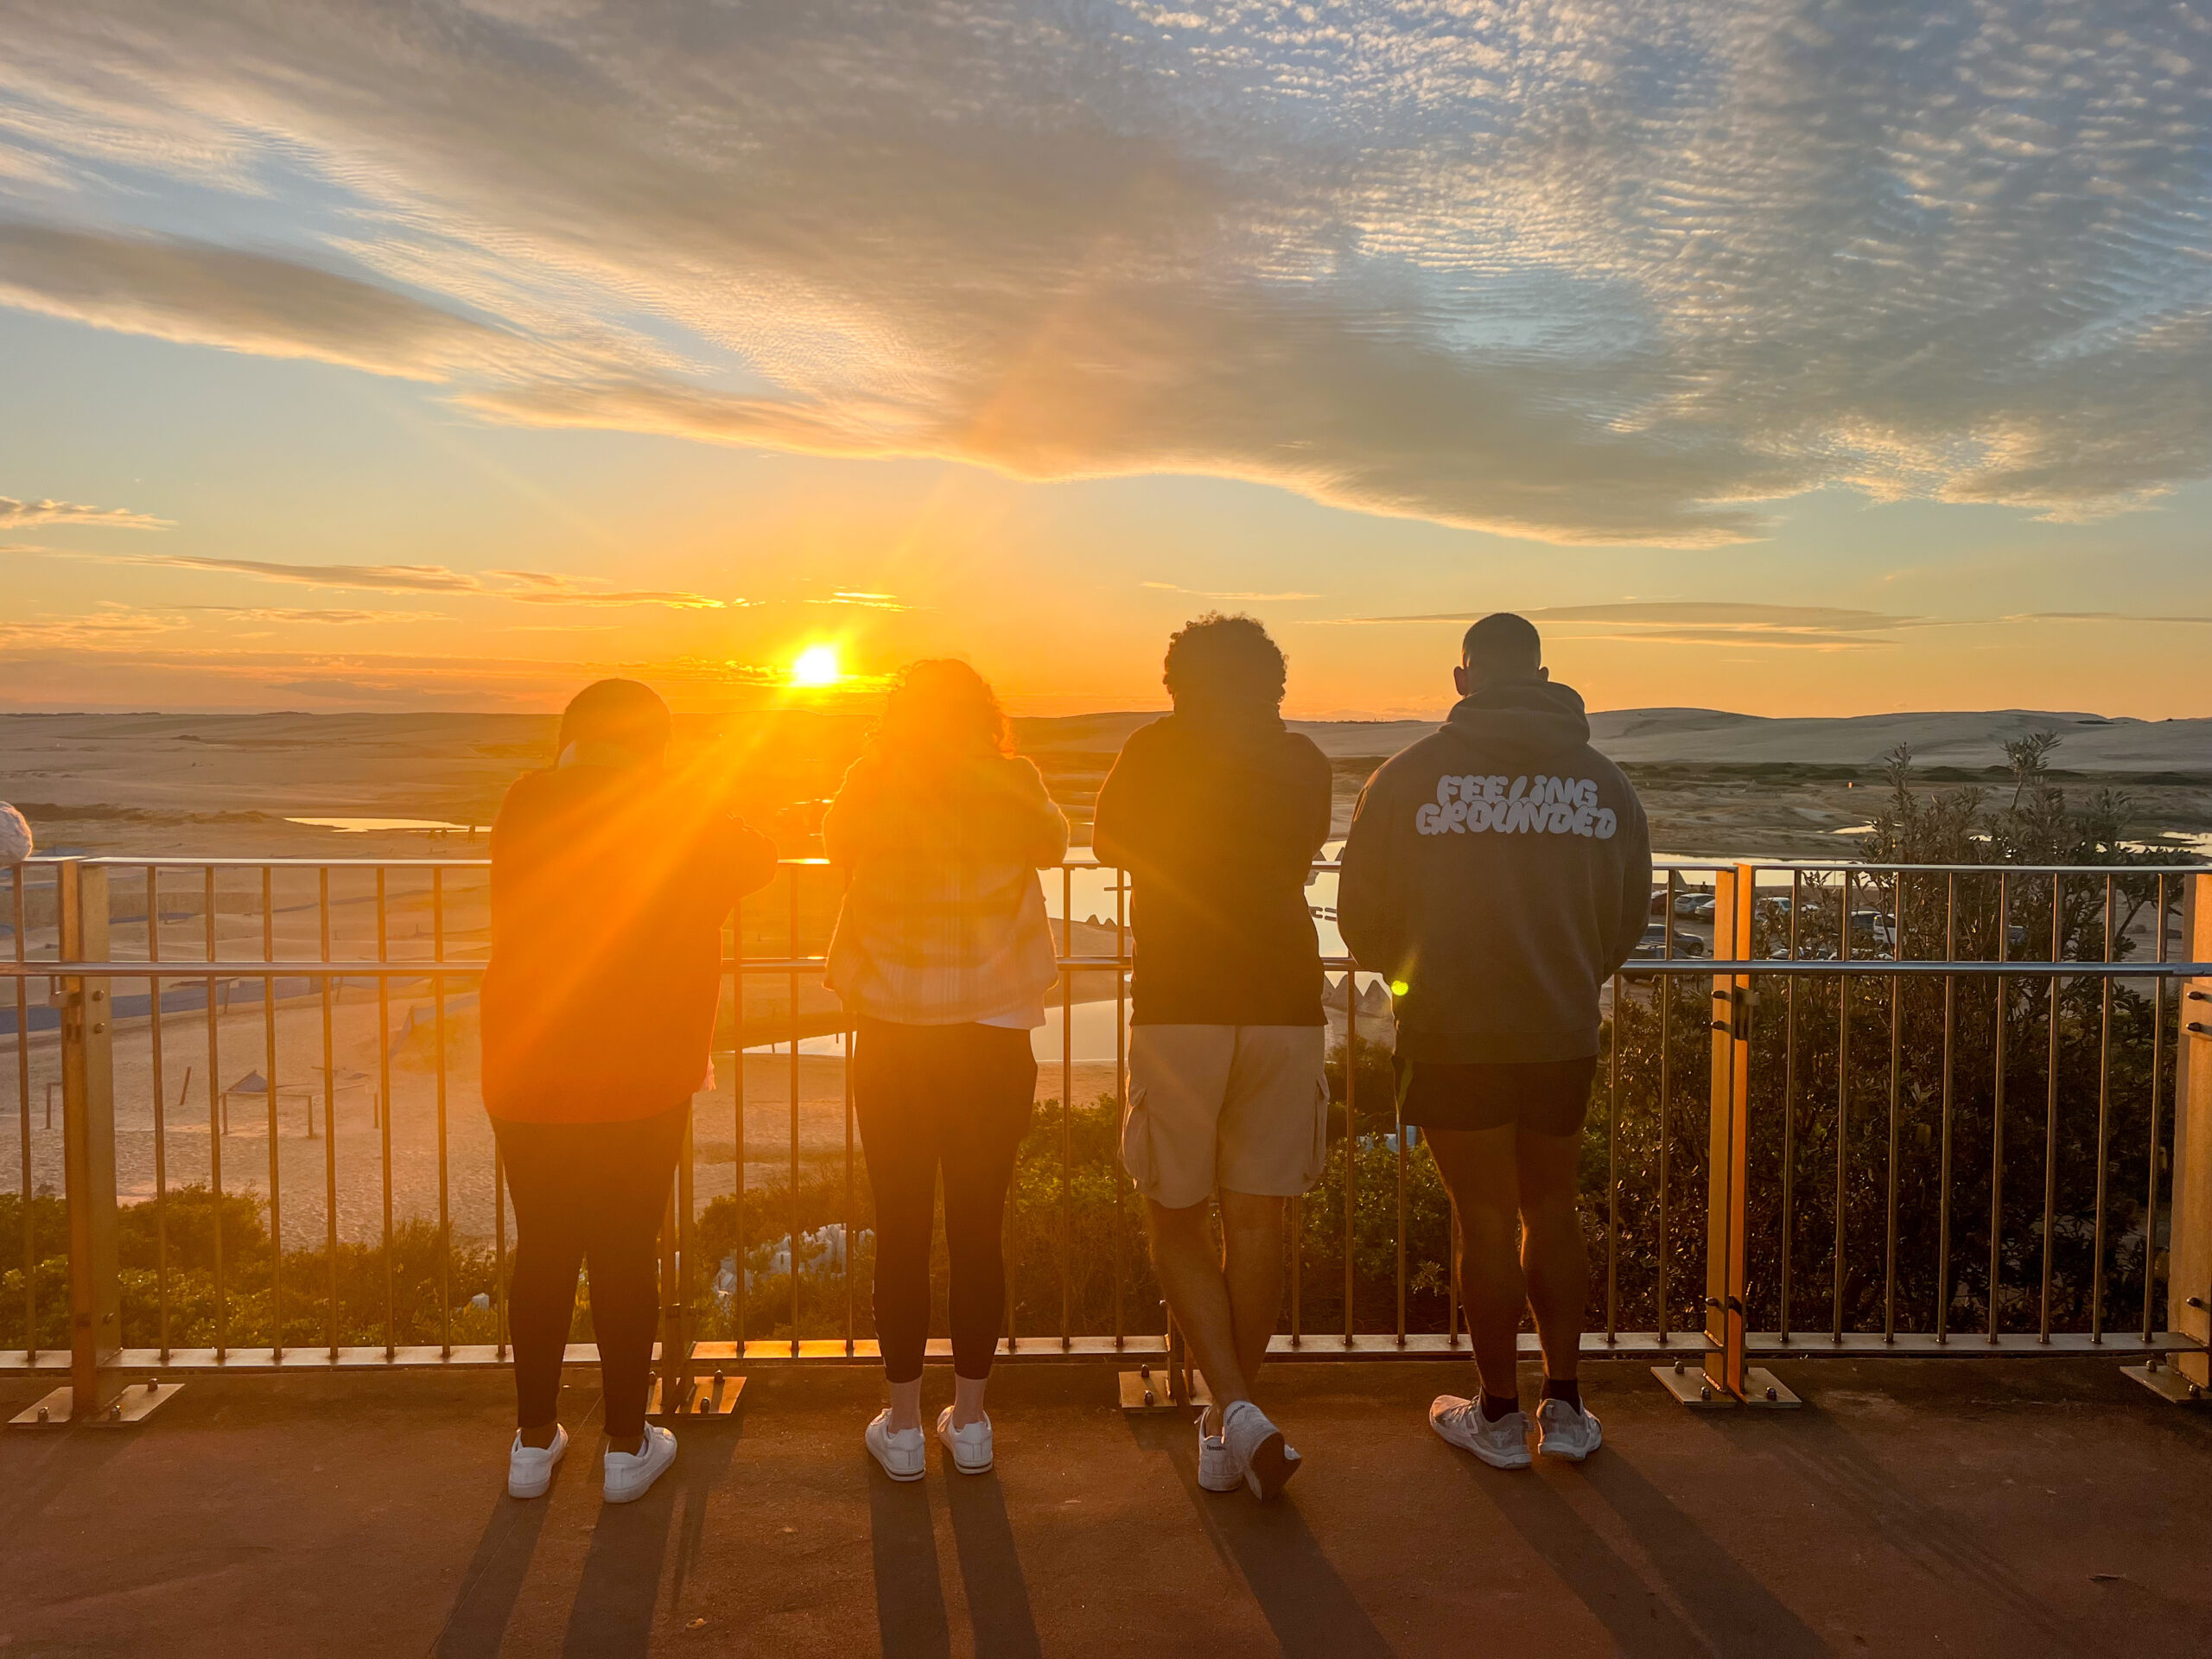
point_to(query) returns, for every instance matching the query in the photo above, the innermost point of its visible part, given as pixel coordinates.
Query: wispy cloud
(528, 587)
(1239, 598)
(86, 632)
(864, 601)
(1696, 622)
(15, 515)
(1590, 274)
(2104, 616)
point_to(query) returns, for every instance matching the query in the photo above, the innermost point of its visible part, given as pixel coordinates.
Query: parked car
(1654, 943)
(1697, 902)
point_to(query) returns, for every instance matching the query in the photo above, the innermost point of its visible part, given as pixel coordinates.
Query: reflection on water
(362, 826)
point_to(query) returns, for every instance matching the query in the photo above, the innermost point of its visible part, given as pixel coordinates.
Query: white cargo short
(1241, 1107)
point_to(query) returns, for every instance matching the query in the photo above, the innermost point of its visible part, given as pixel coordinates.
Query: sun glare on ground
(815, 665)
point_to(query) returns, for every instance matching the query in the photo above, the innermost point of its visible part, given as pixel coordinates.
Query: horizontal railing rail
(1893, 1112)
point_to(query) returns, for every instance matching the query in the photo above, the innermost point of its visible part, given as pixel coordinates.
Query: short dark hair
(1504, 647)
(624, 712)
(1224, 657)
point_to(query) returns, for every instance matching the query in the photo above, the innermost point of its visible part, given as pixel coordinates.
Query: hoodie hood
(1521, 717)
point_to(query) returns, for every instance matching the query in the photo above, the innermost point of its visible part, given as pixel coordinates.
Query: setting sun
(815, 665)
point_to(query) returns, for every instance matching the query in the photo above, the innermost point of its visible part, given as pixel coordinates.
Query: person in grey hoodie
(1497, 874)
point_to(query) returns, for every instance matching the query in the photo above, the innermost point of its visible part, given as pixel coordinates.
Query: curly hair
(1224, 658)
(941, 704)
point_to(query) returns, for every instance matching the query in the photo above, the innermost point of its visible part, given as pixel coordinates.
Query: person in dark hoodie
(611, 877)
(1499, 873)
(1216, 812)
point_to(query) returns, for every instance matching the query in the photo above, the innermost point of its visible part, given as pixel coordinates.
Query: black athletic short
(1542, 1096)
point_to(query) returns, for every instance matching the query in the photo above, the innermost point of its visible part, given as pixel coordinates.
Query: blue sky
(1791, 357)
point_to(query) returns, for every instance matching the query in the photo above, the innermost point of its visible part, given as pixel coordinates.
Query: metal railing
(1741, 1139)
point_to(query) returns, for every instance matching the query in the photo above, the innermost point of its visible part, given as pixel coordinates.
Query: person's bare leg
(1191, 1277)
(1554, 1257)
(967, 1399)
(1251, 1237)
(1479, 1173)
(905, 1405)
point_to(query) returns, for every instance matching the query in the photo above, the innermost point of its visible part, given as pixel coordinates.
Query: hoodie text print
(1496, 873)
(1469, 804)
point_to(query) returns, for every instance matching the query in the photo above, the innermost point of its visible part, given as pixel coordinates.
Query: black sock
(1564, 1387)
(1495, 1406)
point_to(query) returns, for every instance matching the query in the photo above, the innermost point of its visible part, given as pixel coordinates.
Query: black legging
(595, 1190)
(955, 1097)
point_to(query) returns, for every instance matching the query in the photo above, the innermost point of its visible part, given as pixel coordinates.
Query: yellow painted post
(1728, 1140)
(88, 1137)
(2189, 1275)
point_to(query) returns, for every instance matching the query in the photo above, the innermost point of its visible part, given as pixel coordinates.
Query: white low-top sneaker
(530, 1468)
(902, 1454)
(627, 1476)
(1257, 1450)
(970, 1447)
(1569, 1432)
(1502, 1445)
(1217, 1471)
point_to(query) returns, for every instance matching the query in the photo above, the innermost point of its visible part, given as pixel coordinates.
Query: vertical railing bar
(2051, 1117)
(2158, 1065)
(218, 1110)
(737, 1109)
(1842, 1102)
(2104, 1133)
(1789, 1106)
(1398, 1116)
(1896, 1073)
(1943, 1181)
(790, 1210)
(1997, 1119)
(329, 1109)
(1067, 1110)
(445, 1207)
(1613, 1182)
(847, 1040)
(18, 914)
(161, 1120)
(1122, 1107)
(269, 1038)
(1663, 1255)
(384, 1118)
(1351, 1141)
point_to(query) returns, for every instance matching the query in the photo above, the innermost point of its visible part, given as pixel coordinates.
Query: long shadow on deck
(1305, 1601)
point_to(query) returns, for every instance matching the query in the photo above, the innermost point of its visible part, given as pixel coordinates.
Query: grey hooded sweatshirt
(1498, 872)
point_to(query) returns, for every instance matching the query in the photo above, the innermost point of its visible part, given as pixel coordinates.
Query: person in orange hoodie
(611, 877)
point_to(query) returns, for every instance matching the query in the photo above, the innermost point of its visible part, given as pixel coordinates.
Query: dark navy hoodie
(1498, 872)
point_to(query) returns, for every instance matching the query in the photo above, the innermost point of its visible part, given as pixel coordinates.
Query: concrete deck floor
(2023, 1507)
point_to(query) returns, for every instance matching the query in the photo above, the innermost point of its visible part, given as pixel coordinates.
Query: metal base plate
(1689, 1384)
(1762, 1388)
(2164, 1382)
(715, 1395)
(1146, 1389)
(132, 1403)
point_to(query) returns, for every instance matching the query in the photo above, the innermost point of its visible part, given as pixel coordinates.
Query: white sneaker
(627, 1476)
(970, 1447)
(530, 1468)
(1569, 1432)
(902, 1454)
(1257, 1450)
(1217, 1471)
(1502, 1445)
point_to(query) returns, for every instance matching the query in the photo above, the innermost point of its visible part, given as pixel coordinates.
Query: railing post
(1725, 1379)
(88, 1166)
(2188, 1376)
(88, 1138)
